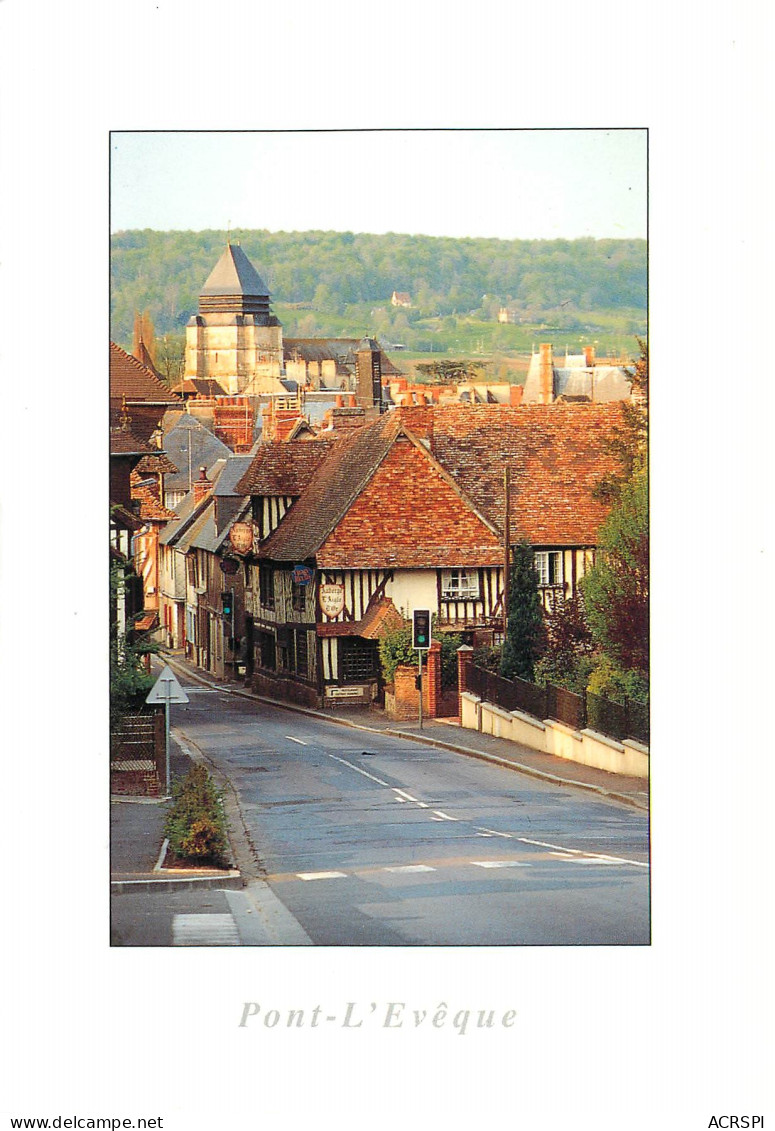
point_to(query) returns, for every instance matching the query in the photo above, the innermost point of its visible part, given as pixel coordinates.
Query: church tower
(235, 339)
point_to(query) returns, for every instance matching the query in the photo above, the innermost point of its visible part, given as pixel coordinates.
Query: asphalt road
(368, 840)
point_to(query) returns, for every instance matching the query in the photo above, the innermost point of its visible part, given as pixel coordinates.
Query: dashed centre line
(292, 739)
(575, 854)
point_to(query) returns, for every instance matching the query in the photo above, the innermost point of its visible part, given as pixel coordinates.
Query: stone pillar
(465, 658)
(432, 681)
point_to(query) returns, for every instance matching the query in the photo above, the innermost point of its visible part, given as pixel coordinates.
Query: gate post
(433, 677)
(465, 658)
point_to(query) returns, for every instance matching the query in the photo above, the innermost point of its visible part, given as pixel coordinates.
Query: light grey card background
(673, 1035)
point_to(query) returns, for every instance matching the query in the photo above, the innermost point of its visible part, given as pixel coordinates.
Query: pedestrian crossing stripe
(406, 869)
(321, 875)
(204, 930)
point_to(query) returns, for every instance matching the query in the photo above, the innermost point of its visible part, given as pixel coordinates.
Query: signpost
(167, 690)
(421, 642)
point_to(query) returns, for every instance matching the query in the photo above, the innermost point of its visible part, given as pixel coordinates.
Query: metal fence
(629, 719)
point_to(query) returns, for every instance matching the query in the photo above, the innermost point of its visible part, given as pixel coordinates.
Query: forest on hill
(340, 283)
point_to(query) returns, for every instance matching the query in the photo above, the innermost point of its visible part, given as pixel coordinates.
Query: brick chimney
(546, 395)
(589, 356)
(201, 486)
(345, 419)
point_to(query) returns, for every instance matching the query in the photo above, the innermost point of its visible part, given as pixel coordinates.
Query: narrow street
(370, 840)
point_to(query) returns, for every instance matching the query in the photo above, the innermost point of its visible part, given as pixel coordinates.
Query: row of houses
(279, 548)
(285, 567)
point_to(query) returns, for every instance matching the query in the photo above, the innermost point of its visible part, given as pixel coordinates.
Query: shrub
(612, 682)
(195, 824)
(395, 648)
(488, 657)
(450, 642)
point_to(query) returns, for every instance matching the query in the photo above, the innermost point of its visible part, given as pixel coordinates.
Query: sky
(504, 184)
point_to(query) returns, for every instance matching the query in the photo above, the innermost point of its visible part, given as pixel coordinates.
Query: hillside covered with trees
(340, 283)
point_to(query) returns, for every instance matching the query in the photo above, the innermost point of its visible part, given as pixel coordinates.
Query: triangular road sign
(167, 689)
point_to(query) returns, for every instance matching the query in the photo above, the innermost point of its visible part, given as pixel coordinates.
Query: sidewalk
(447, 734)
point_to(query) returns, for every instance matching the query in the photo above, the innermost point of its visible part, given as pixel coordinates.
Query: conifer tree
(525, 626)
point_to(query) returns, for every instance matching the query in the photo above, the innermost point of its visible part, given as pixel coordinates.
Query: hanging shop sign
(331, 599)
(241, 537)
(302, 575)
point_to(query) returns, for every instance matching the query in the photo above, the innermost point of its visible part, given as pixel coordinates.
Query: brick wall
(403, 700)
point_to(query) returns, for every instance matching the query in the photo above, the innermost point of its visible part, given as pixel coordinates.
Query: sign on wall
(302, 575)
(241, 537)
(331, 599)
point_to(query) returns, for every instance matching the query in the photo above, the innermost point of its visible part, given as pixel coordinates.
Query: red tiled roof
(409, 515)
(157, 464)
(123, 442)
(284, 468)
(555, 453)
(131, 380)
(201, 387)
(151, 507)
(380, 618)
(425, 486)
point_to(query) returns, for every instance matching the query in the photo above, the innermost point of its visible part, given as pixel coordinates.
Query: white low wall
(550, 737)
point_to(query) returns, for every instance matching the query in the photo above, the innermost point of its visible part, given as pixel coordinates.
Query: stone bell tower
(234, 339)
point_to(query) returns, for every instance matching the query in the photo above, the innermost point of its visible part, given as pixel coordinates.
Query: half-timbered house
(352, 534)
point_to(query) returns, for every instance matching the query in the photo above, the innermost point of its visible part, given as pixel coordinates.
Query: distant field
(493, 343)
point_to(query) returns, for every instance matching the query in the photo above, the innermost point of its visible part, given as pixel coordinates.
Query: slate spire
(234, 286)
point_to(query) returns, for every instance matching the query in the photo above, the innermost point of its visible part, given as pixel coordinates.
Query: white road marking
(379, 781)
(500, 864)
(575, 852)
(439, 815)
(292, 739)
(411, 868)
(321, 875)
(591, 860)
(204, 930)
(543, 844)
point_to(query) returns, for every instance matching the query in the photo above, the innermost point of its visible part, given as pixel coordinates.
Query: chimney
(547, 374)
(589, 356)
(515, 394)
(202, 485)
(344, 419)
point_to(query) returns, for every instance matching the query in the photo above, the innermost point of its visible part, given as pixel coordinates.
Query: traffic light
(227, 603)
(421, 629)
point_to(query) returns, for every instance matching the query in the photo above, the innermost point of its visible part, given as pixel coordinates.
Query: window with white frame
(459, 585)
(548, 566)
